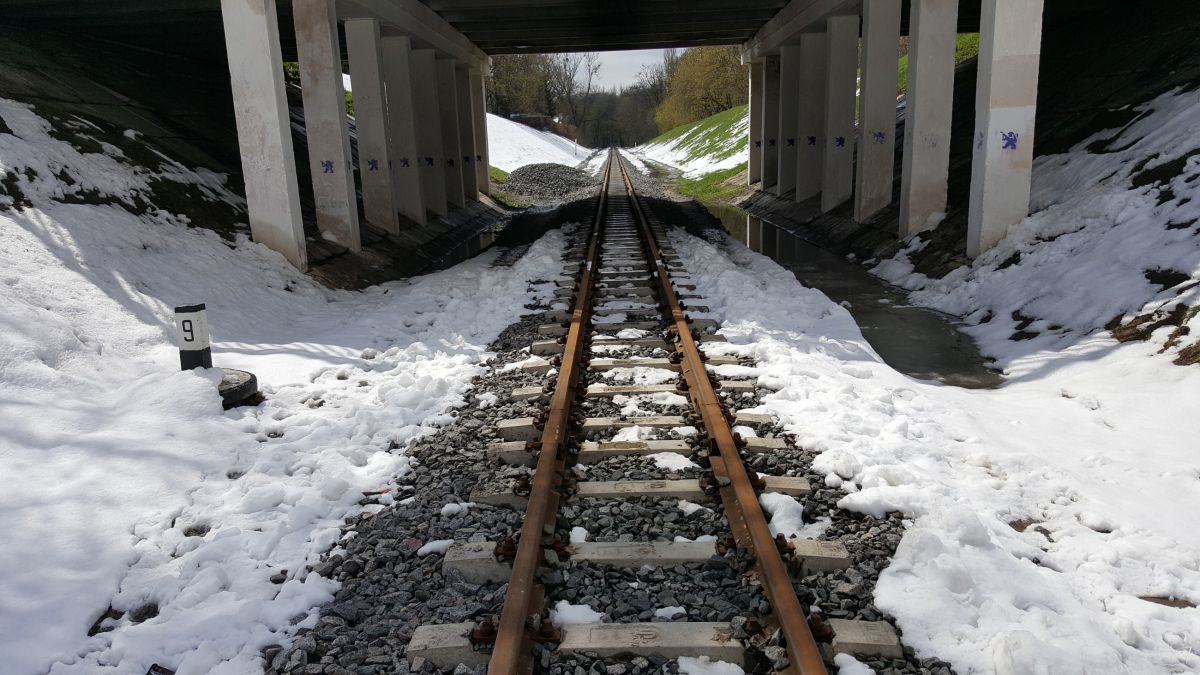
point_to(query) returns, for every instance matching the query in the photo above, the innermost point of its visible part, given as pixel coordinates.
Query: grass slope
(716, 137)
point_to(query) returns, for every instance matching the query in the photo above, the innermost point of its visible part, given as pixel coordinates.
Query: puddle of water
(916, 341)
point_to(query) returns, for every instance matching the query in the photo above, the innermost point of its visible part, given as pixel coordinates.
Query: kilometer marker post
(191, 333)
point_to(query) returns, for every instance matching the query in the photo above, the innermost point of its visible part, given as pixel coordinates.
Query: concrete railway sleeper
(625, 270)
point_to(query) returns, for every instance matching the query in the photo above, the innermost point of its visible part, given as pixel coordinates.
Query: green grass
(509, 199)
(717, 136)
(497, 175)
(713, 187)
(966, 47)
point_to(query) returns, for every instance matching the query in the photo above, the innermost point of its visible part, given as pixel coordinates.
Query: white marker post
(191, 330)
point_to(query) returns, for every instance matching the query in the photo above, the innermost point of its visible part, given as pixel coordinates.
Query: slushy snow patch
(436, 546)
(566, 614)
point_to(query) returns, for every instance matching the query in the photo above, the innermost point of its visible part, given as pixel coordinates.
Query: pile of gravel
(549, 181)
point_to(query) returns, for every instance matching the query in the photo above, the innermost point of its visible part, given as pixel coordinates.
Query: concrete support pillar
(427, 115)
(405, 155)
(877, 108)
(370, 118)
(933, 27)
(264, 130)
(754, 229)
(770, 122)
(325, 122)
(755, 141)
(841, 100)
(1010, 40)
(479, 109)
(789, 112)
(466, 134)
(810, 157)
(447, 86)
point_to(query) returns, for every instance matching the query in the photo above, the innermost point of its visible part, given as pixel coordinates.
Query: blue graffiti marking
(1008, 140)
(326, 166)
(403, 161)
(450, 163)
(466, 159)
(841, 141)
(758, 144)
(879, 137)
(791, 142)
(771, 142)
(372, 165)
(428, 161)
(812, 140)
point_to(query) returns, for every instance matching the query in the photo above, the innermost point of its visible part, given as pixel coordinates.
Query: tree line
(560, 92)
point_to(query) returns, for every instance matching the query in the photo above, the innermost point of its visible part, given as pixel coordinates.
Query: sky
(620, 69)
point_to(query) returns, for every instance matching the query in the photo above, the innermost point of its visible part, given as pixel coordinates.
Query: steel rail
(737, 491)
(512, 652)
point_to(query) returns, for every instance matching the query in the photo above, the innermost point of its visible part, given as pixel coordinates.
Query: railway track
(626, 307)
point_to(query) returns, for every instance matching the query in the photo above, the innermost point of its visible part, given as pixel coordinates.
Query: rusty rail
(512, 652)
(736, 486)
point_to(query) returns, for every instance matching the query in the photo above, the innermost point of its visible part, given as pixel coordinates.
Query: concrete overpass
(816, 132)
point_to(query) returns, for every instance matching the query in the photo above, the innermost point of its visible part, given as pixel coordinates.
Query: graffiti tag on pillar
(791, 142)
(1008, 140)
(812, 140)
(450, 163)
(478, 158)
(758, 144)
(372, 165)
(428, 161)
(771, 142)
(840, 141)
(326, 166)
(879, 137)
(403, 161)
(466, 159)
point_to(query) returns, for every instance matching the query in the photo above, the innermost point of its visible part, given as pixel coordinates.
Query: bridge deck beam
(447, 86)
(877, 139)
(325, 122)
(810, 156)
(1006, 104)
(841, 98)
(789, 117)
(770, 121)
(263, 125)
(926, 162)
(755, 141)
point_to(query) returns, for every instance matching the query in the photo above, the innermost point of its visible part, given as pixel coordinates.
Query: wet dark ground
(919, 342)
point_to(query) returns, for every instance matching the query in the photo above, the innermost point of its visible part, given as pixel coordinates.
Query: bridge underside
(419, 148)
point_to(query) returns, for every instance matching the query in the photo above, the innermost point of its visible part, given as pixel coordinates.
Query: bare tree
(572, 78)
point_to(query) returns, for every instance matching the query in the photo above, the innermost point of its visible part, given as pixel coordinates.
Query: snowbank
(1094, 448)
(713, 144)
(124, 482)
(512, 145)
(1098, 247)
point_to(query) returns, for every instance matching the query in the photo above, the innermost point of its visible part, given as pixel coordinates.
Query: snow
(705, 666)
(680, 152)
(671, 461)
(566, 614)
(578, 535)
(669, 613)
(1091, 439)
(1084, 254)
(438, 546)
(512, 145)
(124, 481)
(787, 517)
(848, 665)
